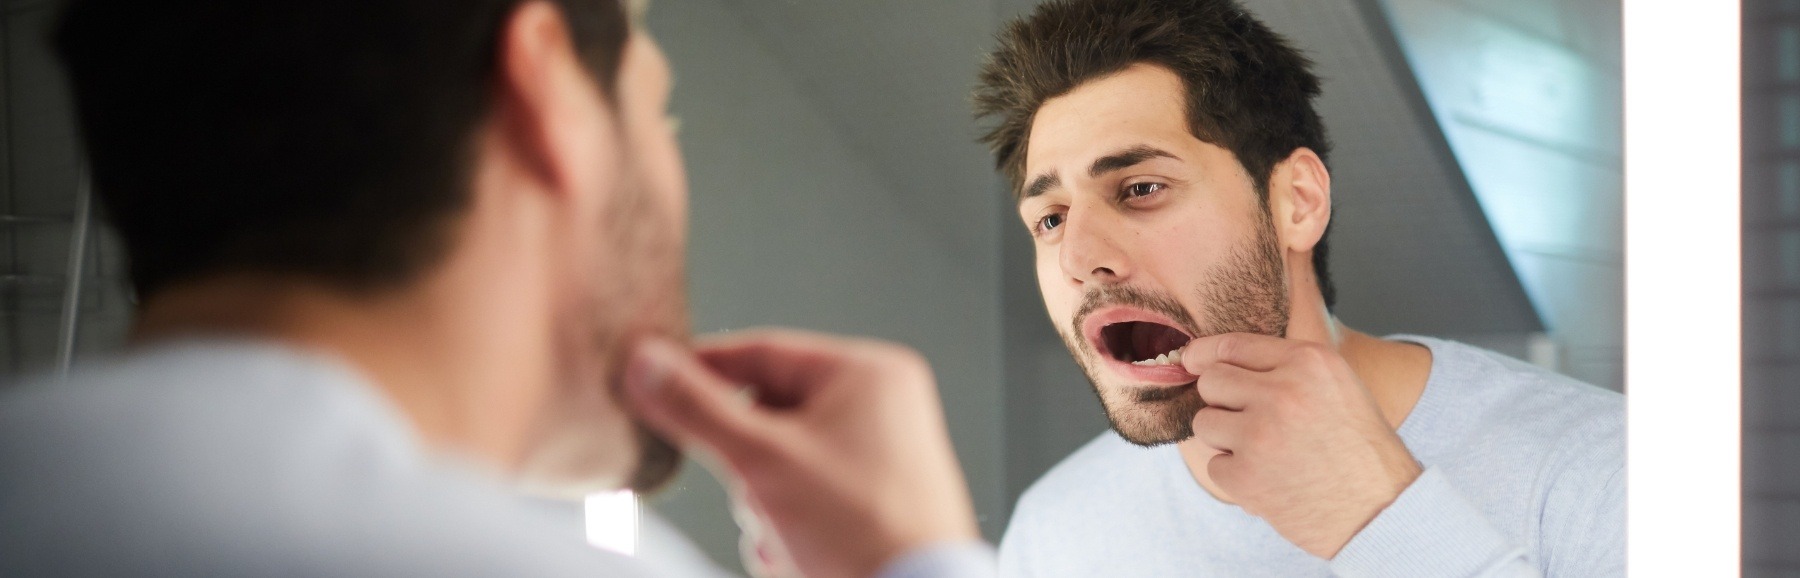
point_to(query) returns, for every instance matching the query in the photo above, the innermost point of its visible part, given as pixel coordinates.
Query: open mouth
(1143, 343)
(1138, 337)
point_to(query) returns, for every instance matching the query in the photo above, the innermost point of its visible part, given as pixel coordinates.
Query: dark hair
(1248, 90)
(325, 138)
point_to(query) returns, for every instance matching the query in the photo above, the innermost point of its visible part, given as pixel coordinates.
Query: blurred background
(837, 185)
(1771, 261)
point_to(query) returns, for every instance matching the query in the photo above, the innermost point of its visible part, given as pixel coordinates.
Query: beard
(631, 285)
(1247, 293)
(652, 293)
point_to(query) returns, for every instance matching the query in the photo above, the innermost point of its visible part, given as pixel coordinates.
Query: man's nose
(1089, 253)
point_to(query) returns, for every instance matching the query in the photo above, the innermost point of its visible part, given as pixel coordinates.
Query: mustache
(1108, 296)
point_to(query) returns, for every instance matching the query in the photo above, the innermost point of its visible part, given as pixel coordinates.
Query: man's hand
(1304, 447)
(838, 444)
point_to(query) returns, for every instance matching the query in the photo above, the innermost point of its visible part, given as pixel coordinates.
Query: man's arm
(1583, 523)
(1590, 536)
(838, 445)
(1302, 445)
(1431, 530)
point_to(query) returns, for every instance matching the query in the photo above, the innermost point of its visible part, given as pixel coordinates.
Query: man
(1171, 170)
(398, 257)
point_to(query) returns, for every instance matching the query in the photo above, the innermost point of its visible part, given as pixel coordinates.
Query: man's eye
(1136, 190)
(1050, 221)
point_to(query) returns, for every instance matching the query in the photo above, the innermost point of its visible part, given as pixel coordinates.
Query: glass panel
(1787, 188)
(1787, 328)
(1790, 121)
(1790, 258)
(1787, 53)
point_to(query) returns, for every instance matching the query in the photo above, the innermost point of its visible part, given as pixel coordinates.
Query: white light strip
(1682, 261)
(612, 521)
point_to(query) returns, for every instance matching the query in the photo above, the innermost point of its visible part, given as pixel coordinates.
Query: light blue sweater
(1525, 476)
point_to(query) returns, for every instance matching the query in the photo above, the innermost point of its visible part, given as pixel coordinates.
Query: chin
(1151, 416)
(658, 463)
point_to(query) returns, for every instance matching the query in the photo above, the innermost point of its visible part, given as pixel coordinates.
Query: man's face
(623, 279)
(1146, 238)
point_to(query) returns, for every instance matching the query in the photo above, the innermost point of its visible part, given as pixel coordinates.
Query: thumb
(681, 398)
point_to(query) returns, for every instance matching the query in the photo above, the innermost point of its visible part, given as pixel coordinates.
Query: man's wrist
(1400, 476)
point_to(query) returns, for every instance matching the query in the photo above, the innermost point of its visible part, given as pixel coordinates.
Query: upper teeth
(1170, 358)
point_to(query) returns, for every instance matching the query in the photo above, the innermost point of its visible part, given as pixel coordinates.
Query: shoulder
(1495, 417)
(1480, 393)
(251, 460)
(169, 417)
(179, 386)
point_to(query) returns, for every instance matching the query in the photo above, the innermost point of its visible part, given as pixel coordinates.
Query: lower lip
(1151, 374)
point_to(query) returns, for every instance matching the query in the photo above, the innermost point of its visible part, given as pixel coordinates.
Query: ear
(1300, 200)
(550, 111)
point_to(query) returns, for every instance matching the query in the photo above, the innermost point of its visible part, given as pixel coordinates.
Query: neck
(1395, 372)
(414, 345)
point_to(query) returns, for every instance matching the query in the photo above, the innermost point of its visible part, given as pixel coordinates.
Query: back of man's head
(322, 138)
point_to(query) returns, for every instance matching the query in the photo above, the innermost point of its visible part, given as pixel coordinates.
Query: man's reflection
(1170, 167)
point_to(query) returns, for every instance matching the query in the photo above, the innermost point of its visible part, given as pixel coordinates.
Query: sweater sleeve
(1432, 530)
(1583, 526)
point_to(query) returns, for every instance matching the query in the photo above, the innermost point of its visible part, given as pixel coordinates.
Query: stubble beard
(1247, 293)
(636, 289)
(655, 284)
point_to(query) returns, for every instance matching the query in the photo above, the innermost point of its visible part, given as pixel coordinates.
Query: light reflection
(612, 521)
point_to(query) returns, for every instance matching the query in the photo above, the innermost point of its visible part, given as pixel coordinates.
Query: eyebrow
(1041, 185)
(1124, 159)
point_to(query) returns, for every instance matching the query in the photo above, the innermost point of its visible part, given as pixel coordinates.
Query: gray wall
(794, 225)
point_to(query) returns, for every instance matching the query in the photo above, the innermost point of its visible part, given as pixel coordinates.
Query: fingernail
(649, 366)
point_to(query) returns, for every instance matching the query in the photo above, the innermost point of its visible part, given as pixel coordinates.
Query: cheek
(659, 169)
(676, 170)
(1179, 250)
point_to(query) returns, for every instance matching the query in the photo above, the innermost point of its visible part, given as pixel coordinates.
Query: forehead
(1143, 104)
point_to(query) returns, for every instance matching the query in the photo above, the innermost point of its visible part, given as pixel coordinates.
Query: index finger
(1250, 351)
(781, 364)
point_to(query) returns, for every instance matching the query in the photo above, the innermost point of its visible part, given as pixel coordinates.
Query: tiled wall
(1771, 287)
